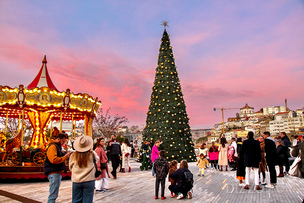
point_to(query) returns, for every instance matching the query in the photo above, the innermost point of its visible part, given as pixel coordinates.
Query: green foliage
(120, 138)
(167, 118)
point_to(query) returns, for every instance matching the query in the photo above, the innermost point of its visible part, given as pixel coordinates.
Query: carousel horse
(10, 144)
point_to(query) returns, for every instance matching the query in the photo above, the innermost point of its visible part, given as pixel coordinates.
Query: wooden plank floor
(138, 186)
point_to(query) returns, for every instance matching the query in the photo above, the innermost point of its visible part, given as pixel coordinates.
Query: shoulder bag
(97, 172)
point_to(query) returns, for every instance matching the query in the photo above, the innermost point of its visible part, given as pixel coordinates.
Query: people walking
(102, 182)
(154, 155)
(136, 149)
(232, 152)
(83, 170)
(240, 172)
(270, 150)
(126, 153)
(281, 153)
(161, 168)
(146, 153)
(54, 165)
(287, 144)
(203, 150)
(262, 165)
(202, 163)
(213, 155)
(115, 154)
(223, 154)
(252, 158)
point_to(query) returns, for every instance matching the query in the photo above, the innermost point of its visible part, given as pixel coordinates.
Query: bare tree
(12, 126)
(105, 125)
(134, 128)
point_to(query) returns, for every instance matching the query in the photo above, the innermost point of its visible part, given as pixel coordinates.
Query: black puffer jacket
(161, 167)
(179, 176)
(281, 151)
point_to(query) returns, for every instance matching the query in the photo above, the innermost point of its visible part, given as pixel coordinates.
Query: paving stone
(138, 186)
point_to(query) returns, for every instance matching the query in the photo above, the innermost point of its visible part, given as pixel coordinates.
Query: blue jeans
(153, 172)
(83, 192)
(55, 180)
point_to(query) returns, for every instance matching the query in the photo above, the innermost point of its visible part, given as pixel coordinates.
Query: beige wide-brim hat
(83, 143)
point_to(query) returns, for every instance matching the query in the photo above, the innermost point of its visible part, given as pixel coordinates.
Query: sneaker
(180, 196)
(106, 190)
(257, 187)
(189, 195)
(172, 195)
(242, 184)
(163, 198)
(270, 186)
(99, 190)
(246, 187)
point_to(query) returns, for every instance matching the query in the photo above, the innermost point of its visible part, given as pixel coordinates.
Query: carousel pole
(19, 122)
(60, 128)
(51, 129)
(72, 137)
(22, 134)
(85, 125)
(6, 123)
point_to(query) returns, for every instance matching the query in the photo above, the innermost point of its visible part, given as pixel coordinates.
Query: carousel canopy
(43, 78)
(42, 96)
(42, 103)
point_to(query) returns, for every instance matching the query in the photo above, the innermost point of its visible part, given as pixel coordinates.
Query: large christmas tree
(167, 118)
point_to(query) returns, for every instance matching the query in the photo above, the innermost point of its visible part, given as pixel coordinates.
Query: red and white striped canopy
(43, 78)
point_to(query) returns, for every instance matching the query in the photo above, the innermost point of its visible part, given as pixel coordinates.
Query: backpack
(188, 180)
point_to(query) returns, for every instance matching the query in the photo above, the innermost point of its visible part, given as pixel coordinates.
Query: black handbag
(103, 166)
(97, 172)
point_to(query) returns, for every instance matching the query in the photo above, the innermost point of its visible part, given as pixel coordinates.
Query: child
(161, 169)
(201, 163)
(172, 168)
(145, 156)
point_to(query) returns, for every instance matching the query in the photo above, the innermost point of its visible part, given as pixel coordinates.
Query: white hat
(83, 143)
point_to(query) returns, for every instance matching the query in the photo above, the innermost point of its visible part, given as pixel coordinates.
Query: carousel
(41, 104)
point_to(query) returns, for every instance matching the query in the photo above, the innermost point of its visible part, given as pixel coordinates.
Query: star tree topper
(165, 23)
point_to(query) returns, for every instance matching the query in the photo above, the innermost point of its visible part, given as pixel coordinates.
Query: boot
(226, 168)
(123, 170)
(221, 168)
(129, 169)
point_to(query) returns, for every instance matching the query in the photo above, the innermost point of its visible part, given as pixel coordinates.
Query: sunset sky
(228, 53)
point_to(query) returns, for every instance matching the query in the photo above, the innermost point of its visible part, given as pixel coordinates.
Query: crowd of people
(257, 155)
(245, 156)
(87, 159)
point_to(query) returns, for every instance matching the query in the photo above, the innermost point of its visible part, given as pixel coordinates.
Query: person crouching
(161, 169)
(172, 168)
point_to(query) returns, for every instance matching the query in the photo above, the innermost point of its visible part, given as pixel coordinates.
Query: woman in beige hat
(83, 170)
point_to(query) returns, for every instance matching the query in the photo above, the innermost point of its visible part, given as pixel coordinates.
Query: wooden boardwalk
(138, 186)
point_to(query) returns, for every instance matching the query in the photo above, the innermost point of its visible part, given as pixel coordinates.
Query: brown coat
(262, 165)
(102, 159)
